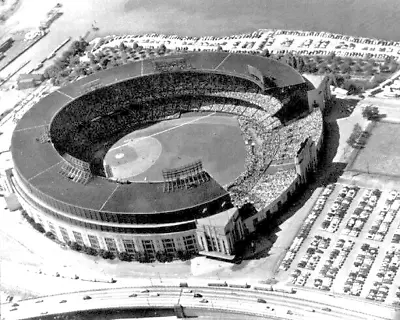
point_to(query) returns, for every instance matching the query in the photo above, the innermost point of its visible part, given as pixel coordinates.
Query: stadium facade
(62, 183)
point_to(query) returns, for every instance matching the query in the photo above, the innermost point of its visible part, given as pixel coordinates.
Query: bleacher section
(172, 64)
(75, 173)
(185, 177)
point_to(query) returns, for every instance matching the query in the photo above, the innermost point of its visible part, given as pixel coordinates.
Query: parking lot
(349, 244)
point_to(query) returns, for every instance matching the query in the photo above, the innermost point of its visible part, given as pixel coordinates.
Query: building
(66, 190)
(218, 234)
(319, 90)
(27, 81)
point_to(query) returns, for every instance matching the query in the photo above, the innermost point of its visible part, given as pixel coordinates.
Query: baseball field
(215, 139)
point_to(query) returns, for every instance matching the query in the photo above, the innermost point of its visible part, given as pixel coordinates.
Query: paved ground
(342, 275)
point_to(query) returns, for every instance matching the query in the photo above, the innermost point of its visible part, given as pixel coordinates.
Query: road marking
(160, 132)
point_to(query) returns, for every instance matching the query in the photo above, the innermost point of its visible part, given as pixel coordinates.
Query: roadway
(218, 299)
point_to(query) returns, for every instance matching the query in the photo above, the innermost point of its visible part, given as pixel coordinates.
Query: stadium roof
(39, 163)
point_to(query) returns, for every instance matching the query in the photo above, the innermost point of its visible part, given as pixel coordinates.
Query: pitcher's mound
(133, 157)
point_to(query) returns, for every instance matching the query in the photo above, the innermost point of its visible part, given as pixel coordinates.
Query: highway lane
(240, 300)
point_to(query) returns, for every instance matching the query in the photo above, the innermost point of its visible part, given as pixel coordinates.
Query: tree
(122, 46)
(161, 256)
(51, 71)
(75, 246)
(357, 68)
(161, 49)
(352, 88)
(219, 48)
(39, 227)
(300, 64)
(90, 251)
(135, 45)
(265, 53)
(370, 112)
(50, 235)
(73, 61)
(325, 224)
(105, 254)
(124, 256)
(345, 68)
(354, 136)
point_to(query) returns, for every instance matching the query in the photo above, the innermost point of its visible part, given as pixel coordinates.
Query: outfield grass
(381, 155)
(214, 139)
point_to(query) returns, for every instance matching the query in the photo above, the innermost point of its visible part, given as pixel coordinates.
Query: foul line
(220, 64)
(166, 130)
(67, 95)
(31, 128)
(109, 198)
(36, 175)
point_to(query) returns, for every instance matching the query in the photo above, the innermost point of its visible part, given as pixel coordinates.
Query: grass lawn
(381, 155)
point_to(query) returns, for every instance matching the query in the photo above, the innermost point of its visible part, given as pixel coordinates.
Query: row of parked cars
(306, 227)
(386, 216)
(313, 253)
(333, 264)
(360, 270)
(385, 275)
(339, 208)
(361, 213)
(396, 235)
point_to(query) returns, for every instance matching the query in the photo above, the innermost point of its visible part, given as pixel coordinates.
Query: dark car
(87, 297)
(327, 309)
(133, 295)
(198, 295)
(259, 300)
(63, 301)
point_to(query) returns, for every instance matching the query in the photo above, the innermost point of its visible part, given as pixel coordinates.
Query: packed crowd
(172, 65)
(119, 107)
(296, 132)
(270, 187)
(259, 140)
(268, 103)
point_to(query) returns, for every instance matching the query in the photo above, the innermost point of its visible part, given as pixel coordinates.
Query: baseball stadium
(163, 154)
